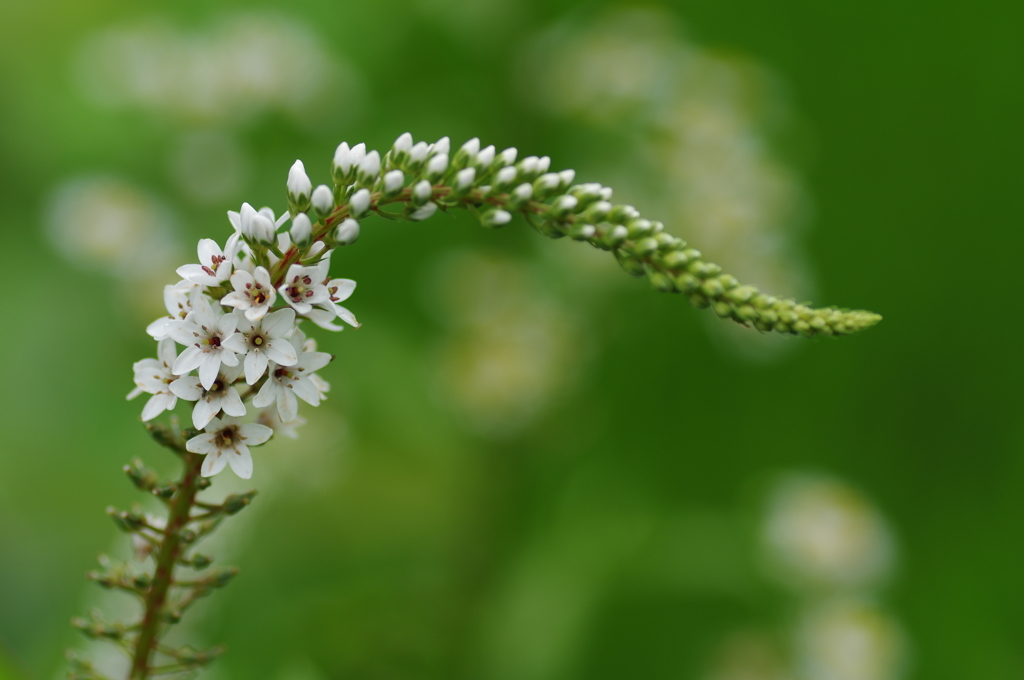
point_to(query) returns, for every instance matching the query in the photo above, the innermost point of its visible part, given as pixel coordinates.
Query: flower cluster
(237, 312)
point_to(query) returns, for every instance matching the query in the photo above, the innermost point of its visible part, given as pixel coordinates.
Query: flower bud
(623, 213)
(393, 182)
(505, 177)
(347, 232)
(369, 168)
(564, 205)
(528, 168)
(582, 232)
(299, 188)
(443, 145)
(508, 156)
(342, 164)
(403, 144)
(437, 166)
(520, 196)
(599, 211)
(546, 183)
(566, 177)
(616, 236)
(464, 179)
(485, 158)
(418, 155)
(470, 148)
(425, 211)
(359, 203)
(495, 218)
(302, 230)
(322, 200)
(262, 229)
(606, 193)
(421, 192)
(543, 164)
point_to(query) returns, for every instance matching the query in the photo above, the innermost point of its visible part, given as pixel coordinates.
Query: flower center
(227, 437)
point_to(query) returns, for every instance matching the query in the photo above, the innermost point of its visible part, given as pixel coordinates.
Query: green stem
(167, 556)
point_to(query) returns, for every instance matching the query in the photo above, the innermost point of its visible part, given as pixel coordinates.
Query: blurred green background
(530, 465)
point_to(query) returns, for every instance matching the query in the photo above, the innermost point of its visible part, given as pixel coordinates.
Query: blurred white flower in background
(749, 655)
(820, 533)
(244, 65)
(510, 349)
(850, 639)
(698, 124)
(114, 227)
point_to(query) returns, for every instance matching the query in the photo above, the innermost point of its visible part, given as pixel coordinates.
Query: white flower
(209, 340)
(271, 419)
(227, 442)
(254, 293)
(338, 290)
(221, 396)
(303, 287)
(322, 199)
(178, 301)
(286, 382)
(267, 339)
(299, 185)
(154, 376)
(215, 264)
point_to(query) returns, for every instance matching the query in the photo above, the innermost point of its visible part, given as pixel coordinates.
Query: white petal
(236, 300)
(236, 343)
(204, 412)
(306, 391)
(345, 288)
(196, 274)
(202, 443)
(323, 318)
(257, 313)
(214, 463)
(232, 403)
(347, 316)
(227, 356)
(189, 360)
(227, 324)
(187, 388)
(209, 365)
(267, 394)
(287, 405)
(314, 361)
(235, 219)
(254, 433)
(134, 393)
(282, 352)
(240, 460)
(240, 278)
(167, 352)
(255, 366)
(157, 404)
(158, 329)
(184, 332)
(279, 323)
(207, 250)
